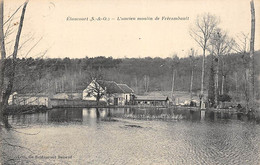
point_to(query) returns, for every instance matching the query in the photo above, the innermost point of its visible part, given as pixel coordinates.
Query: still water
(130, 136)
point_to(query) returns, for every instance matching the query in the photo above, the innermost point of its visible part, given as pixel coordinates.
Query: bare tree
(94, 88)
(6, 92)
(173, 82)
(175, 63)
(3, 56)
(221, 45)
(241, 47)
(251, 55)
(192, 65)
(211, 86)
(240, 44)
(16, 46)
(202, 31)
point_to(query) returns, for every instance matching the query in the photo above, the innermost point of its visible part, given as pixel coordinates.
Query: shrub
(224, 98)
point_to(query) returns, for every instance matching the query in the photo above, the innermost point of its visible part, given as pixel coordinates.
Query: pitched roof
(110, 86)
(151, 98)
(125, 88)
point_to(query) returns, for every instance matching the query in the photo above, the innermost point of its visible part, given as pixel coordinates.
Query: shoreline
(33, 109)
(27, 109)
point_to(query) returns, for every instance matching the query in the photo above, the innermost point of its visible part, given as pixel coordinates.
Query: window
(89, 94)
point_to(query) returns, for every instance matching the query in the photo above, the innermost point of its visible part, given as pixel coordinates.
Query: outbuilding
(152, 100)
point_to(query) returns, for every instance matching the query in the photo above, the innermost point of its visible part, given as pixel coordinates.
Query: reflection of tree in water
(219, 115)
(97, 113)
(195, 115)
(6, 123)
(109, 113)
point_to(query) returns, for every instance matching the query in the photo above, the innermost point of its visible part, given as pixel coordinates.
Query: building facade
(29, 99)
(109, 92)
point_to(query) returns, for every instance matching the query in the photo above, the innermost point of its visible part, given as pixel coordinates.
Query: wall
(31, 100)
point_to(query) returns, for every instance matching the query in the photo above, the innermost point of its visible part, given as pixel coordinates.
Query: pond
(130, 136)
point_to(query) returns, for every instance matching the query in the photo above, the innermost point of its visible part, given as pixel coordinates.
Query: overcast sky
(47, 19)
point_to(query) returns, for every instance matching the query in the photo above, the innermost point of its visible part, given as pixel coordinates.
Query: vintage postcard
(129, 82)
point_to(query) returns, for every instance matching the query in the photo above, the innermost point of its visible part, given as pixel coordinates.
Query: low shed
(152, 100)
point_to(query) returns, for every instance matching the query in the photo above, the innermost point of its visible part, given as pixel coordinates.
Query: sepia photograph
(110, 82)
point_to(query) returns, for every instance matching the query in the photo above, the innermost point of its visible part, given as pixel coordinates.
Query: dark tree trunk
(251, 60)
(191, 83)
(97, 113)
(211, 91)
(202, 77)
(5, 95)
(97, 99)
(9, 88)
(3, 56)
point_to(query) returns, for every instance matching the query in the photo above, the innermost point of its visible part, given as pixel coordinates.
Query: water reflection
(26, 119)
(218, 115)
(65, 115)
(92, 115)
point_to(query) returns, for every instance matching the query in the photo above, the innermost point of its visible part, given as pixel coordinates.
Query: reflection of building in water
(28, 118)
(202, 114)
(65, 115)
(89, 116)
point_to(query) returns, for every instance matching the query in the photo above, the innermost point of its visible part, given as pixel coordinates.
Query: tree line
(141, 74)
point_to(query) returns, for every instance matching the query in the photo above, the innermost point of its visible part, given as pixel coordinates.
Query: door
(115, 101)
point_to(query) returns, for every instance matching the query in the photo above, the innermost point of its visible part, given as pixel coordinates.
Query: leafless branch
(30, 38)
(7, 29)
(33, 47)
(11, 17)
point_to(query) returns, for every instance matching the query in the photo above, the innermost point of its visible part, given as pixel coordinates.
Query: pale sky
(47, 19)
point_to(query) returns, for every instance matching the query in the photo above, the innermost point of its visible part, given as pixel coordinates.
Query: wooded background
(141, 74)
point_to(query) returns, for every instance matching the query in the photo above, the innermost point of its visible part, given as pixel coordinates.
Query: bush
(224, 98)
